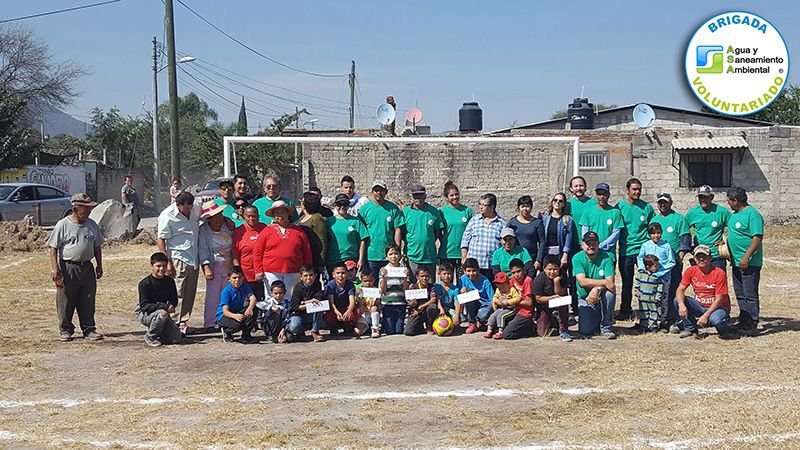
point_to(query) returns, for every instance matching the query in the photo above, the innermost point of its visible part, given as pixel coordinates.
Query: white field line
(793, 263)
(15, 263)
(553, 445)
(390, 395)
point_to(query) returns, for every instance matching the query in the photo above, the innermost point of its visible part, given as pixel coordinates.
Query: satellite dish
(643, 115)
(386, 114)
(414, 115)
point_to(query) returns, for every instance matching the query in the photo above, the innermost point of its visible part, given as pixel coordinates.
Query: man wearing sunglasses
(272, 194)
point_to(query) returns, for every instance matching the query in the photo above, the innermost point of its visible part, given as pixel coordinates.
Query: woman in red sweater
(244, 247)
(281, 248)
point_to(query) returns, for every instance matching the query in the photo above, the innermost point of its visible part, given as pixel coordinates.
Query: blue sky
(521, 60)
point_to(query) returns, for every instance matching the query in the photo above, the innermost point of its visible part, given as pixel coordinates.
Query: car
(18, 200)
(210, 191)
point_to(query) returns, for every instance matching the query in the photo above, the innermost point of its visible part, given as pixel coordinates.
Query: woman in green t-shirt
(455, 217)
(347, 236)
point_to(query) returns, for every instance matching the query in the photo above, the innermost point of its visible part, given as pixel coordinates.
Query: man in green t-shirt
(709, 221)
(384, 222)
(272, 194)
(227, 200)
(745, 233)
(594, 272)
(603, 219)
(636, 214)
(676, 234)
(501, 258)
(423, 227)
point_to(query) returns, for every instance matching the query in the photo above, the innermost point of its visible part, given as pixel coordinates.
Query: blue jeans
(721, 263)
(627, 269)
(478, 312)
(717, 319)
(376, 266)
(393, 318)
(675, 281)
(597, 317)
(745, 285)
(297, 324)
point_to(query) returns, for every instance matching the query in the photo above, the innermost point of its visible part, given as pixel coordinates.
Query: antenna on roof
(643, 115)
(582, 86)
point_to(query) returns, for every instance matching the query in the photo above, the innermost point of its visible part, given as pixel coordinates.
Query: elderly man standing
(711, 304)
(745, 233)
(75, 240)
(272, 194)
(178, 231)
(594, 274)
(709, 221)
(636, 215)
(424, 226)
(482, 235)
(355, 201)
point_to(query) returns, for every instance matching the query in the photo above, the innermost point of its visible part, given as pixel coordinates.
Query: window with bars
(593, 161)
(713, 169)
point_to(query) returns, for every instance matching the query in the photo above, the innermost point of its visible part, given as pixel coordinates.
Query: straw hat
(211, 208)
(280, 204)
(724, 253)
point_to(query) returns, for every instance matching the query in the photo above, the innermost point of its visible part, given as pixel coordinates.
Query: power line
(49, 13)
(256, 51)
(235, 105)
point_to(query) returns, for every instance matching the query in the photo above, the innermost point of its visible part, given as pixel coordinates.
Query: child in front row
(666, 261)
(273, 308)
(422, 312)
(344, 312)
(547, 286)
(478, 311)
(158, 297)
(393, 292)
(650, 291)
(307, 290)
(370, 306)
(232, 314)
(447, 292)
(504, 302)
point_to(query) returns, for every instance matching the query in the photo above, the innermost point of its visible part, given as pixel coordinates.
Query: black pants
(519, 327)
(271, 323)
(78, 292)
(417, 324)
(258, 289)
(627, 268)
(674, 282)
(234, 326)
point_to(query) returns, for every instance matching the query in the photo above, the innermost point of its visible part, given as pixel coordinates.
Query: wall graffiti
(70, 179)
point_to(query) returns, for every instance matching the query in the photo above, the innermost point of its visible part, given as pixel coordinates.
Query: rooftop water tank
(470, 117)
(580, 114)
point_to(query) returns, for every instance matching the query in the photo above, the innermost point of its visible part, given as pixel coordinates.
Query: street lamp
(156, 161)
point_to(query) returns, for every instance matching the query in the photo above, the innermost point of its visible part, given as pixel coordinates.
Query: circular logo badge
(430, 221)
(738, 224)
(736, 63)
(601, 272)
(389, 219)
(463, 219)
(670, 229)
(609, 221)
(351, 229)
(714, 224)
(641, 218)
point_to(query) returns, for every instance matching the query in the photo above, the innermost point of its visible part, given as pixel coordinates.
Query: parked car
(18, 200)
(209, 192)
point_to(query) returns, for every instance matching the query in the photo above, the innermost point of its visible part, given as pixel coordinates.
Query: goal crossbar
(229, 140)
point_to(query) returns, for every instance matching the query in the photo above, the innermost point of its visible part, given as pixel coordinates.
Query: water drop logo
(703, 51)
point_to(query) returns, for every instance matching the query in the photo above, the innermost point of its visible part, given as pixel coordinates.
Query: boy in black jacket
(307, 290)
(157, 300)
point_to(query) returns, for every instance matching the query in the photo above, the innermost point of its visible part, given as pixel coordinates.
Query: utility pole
(352, 94)
(156, 161)
(174, 143)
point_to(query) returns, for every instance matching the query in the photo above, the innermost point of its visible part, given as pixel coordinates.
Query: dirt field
(457, 392)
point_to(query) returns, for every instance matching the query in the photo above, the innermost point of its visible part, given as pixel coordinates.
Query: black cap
(590, 236)
(341, 199)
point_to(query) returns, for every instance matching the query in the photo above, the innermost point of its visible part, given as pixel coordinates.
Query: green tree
(785, 110)
(562, 113)
(15, 145)
(241, 129)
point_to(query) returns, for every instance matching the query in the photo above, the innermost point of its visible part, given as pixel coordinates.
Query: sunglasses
(558, 200)
(240, 205)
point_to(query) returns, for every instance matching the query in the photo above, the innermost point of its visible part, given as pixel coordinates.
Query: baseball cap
(501, 277)
(590, 236)
(507, 232)
(702, 249)
(350, 264)
(82, 199)
(341, 199)
(664, 196)
(705, 190)
(379, 183)
(602, 187)
(418, 190)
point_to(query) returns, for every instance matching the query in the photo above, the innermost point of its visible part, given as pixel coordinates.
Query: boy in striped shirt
(649, 289)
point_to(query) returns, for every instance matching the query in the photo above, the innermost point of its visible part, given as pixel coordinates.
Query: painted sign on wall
(70, 179)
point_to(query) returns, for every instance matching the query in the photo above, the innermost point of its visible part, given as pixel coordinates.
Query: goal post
(229, 140)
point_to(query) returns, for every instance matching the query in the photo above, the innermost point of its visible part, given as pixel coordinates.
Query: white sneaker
(376, 332)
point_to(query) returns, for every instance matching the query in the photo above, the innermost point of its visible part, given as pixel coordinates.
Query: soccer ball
(443, 326)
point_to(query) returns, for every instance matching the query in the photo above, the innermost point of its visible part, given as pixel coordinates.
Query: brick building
(681, 150)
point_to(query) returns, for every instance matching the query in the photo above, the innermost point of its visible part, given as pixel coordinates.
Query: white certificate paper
(559, 301)
(323, 305)
(371, 292)
(469, 296)
(417, 294)
(398, 272)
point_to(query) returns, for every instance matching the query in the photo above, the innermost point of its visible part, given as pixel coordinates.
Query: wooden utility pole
(352, 94)
(156, 161)
(174, 141)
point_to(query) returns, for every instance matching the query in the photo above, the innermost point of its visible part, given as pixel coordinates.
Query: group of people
(367, 268)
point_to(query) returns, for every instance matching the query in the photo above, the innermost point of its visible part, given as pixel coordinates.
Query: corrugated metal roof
(708, 143)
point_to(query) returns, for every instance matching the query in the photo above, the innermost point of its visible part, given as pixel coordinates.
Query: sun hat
(82, 199)
(211, 208)
(276, 206)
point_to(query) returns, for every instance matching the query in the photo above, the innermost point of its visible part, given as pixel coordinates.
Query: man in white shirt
(348, 188)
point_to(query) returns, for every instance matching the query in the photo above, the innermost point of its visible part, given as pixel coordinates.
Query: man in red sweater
(281, 249)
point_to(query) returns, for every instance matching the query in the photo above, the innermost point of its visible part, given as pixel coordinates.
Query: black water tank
(580, 114)
(470, 117)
